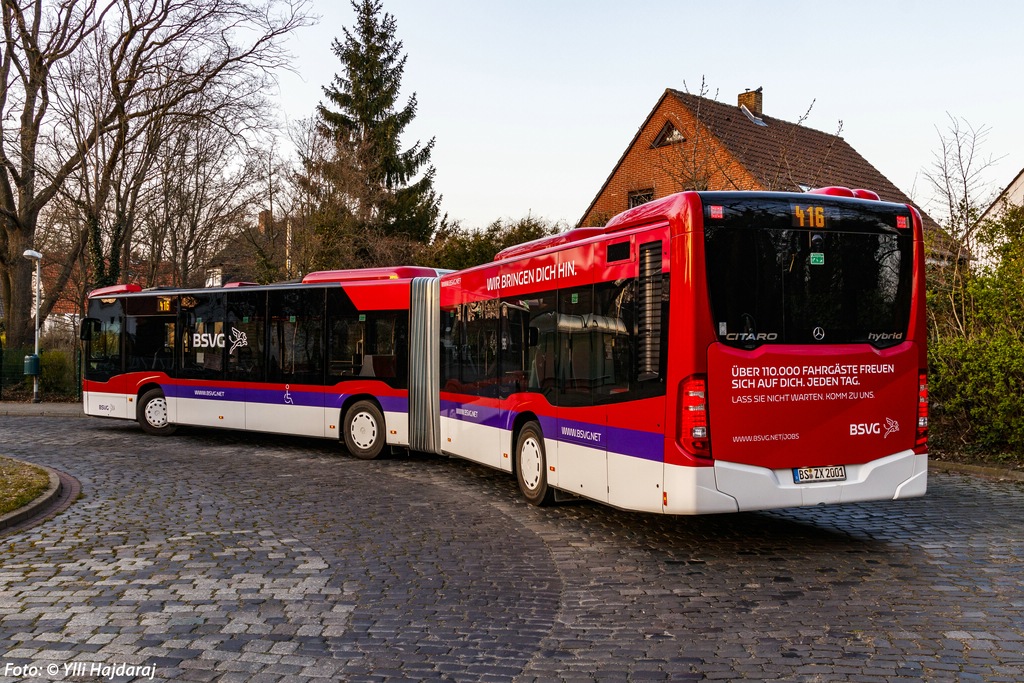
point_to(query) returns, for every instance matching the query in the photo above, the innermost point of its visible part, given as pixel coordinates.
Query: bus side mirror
(534, 336)
(90, 329)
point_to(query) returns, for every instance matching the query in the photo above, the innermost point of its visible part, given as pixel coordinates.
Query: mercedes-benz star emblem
(819, 333)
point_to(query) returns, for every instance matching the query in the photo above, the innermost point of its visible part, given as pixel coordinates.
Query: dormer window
(669, 135)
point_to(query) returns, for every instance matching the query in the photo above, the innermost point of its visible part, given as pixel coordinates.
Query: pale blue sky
(532, 102)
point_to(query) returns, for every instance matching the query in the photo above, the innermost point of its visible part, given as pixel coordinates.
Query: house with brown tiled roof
(690, 142)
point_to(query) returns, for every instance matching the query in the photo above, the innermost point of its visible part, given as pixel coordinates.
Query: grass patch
(20, 484)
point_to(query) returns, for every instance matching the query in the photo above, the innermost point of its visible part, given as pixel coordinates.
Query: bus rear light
(694, 419)
(922, 410)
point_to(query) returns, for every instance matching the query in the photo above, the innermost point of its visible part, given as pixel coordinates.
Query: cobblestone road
(232, 557)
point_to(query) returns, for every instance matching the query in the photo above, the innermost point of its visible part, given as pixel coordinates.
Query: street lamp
(38, 258)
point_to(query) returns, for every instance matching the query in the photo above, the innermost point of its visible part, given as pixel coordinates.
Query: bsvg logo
(875, 428)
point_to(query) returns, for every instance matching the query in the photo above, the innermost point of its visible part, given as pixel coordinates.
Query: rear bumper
(895, 477)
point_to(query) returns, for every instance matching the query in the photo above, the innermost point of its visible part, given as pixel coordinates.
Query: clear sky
(532, 102)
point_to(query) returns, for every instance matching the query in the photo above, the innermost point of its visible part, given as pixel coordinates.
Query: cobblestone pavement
(236, 557)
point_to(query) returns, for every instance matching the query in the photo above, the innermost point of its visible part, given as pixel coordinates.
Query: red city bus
(707, 352)
(328, 357)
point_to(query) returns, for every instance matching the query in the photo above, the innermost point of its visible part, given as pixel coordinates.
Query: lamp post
(38, 258)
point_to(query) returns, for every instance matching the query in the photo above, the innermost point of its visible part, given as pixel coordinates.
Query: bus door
(470, 424)
(291, 399)
(202, 396)
(104, 386)
(582, 434)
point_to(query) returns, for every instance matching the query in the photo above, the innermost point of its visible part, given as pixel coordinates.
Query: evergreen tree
(371, 190)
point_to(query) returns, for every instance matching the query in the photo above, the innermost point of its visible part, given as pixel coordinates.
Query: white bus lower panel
(472, 441)
(898, 476)
(694, 491)
(107, 405)
(397, 427)
(635, 483)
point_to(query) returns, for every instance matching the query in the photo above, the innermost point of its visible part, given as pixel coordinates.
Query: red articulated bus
(328, 357)
(707, 352)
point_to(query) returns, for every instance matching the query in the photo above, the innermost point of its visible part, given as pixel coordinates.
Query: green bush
(57, 373)
(975, 391)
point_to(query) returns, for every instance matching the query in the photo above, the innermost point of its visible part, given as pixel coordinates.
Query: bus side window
(542, 376)
(513, 338)
(246, 330)
(202, 336)
(614, 322)
(577, 341)
(103, 346)
(347, 341)
(296, 331)
(449, 349)
(480, 354)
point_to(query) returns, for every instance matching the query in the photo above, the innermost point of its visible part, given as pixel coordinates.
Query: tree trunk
(16, 290)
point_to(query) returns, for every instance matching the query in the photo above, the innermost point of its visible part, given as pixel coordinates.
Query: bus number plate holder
(810, 475)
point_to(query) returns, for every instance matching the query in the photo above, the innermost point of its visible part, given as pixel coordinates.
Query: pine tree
(375, 189)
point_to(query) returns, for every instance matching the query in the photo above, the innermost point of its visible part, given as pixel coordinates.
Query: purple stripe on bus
(389, 404)
(628, 442)
(477, 414)
(636, 444)
(205, 393)
(314, 399)
(285, 397)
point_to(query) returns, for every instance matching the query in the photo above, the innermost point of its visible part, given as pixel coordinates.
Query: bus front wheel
(364, 430)
(152, 413)
(531, 466)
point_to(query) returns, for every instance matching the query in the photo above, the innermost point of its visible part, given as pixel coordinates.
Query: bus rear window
(847, 278)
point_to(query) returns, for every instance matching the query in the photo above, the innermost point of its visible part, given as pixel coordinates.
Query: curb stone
(36, 506)
(15, 408)
(977, 470)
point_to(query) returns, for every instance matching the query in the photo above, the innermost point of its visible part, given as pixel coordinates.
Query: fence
(60, 377)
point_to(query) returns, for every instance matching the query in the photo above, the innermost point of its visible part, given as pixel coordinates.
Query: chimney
(751, 99)
(264, 221)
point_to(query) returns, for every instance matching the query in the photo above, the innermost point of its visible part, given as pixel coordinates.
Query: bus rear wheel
(532, 466)
(364, 430)
(152, 414)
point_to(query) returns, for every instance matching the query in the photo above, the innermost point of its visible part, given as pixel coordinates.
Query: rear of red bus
(799, 358)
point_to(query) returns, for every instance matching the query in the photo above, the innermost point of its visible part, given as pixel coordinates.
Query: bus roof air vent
(367, 274)
(837, 191)
(833, 191)
(129, 288)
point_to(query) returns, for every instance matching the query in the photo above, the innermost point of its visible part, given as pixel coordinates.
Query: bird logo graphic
(237, 339)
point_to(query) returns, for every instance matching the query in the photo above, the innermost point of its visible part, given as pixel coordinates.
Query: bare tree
(150, 59)
(957, 179)
(199, 196)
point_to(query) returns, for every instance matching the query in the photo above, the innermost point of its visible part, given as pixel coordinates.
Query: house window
(639, 197)
(668, 135)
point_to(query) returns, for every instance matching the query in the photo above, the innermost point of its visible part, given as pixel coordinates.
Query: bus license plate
(807, 475)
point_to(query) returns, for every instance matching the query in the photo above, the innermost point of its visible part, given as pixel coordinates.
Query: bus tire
(364, 430)
(152, 414)
(532, 466)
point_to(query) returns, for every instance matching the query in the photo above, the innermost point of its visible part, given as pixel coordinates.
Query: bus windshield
(780, 272)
